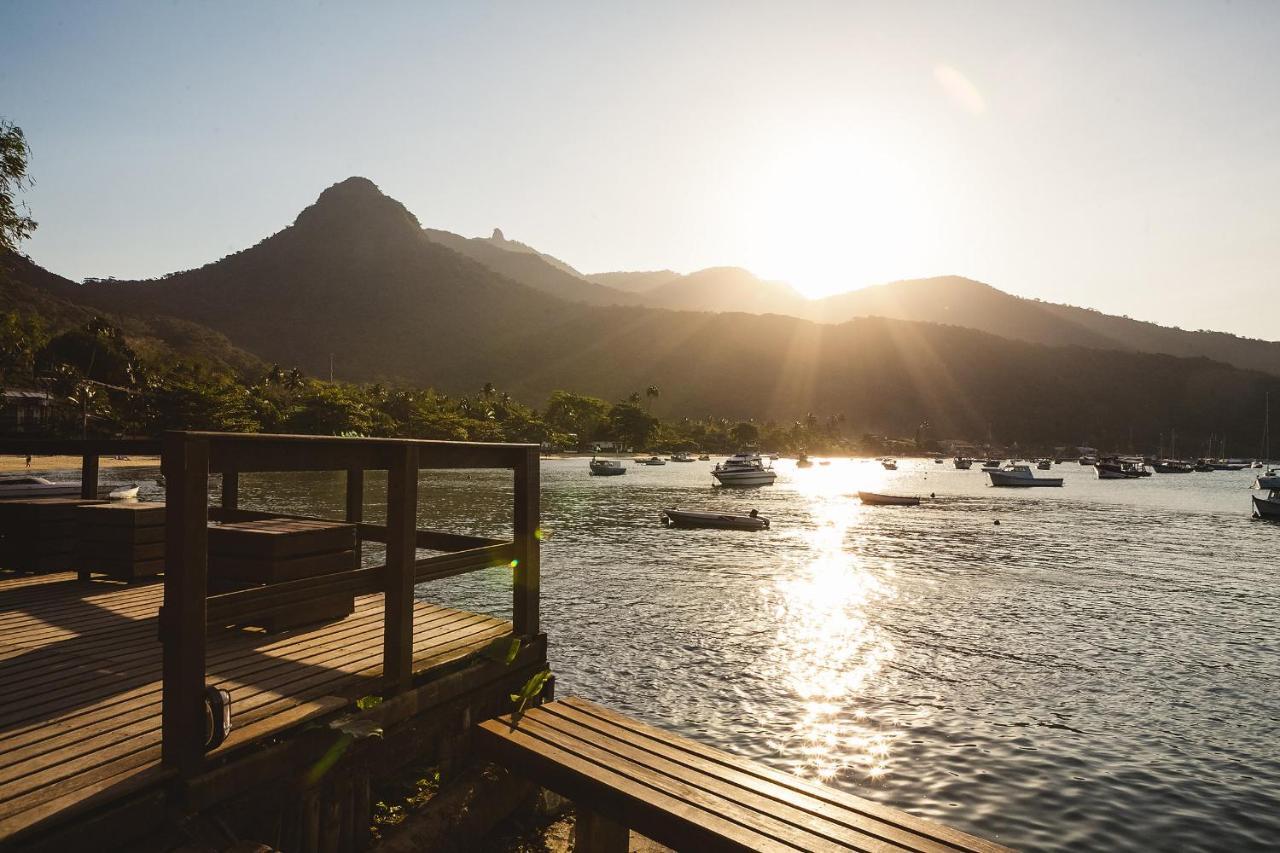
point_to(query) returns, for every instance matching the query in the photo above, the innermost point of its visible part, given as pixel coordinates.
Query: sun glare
(833, 213)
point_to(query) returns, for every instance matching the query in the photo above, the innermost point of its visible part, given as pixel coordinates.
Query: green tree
(744, 434)
(651, 393)
(586, 417)
(631, 425)
(16, 223)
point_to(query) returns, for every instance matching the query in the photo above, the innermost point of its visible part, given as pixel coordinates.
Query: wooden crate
(124, 540)
(39, 534)
(246, 554)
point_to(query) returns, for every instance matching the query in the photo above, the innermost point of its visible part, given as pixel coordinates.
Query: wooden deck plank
(80, 692)
(634, 773)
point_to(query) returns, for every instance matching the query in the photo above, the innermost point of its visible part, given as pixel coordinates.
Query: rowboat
(713, 520)
(874, 499)
(124, 493)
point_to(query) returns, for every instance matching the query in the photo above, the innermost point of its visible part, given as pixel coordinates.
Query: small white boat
(962, 463)
(653, 460)
(704, 458)
(874, 499)
(744, 469)
(1268, 507)
(606, 467)
(681, 457)
(124, 493)
(1269, 481)
(1019, 476)
(889, 464)
(1044, 465)
(714, 520)
(35, 487)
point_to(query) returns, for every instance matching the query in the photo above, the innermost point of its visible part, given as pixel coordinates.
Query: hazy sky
(1122, 156)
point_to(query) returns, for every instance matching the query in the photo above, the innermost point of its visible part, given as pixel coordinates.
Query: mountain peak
(497, 236)
(357, 203)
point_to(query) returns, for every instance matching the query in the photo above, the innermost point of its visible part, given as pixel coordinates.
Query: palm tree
(634, 399)
(85, 398)
(293, 379)
(652, 393)
(487, 390)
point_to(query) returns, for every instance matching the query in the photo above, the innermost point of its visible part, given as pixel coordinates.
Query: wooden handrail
(190, 457)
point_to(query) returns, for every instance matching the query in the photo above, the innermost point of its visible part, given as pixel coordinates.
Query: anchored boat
(1268, 507)
(744, 469)
(35, 487)
(1019, 476)
(713, 520)
(606, 467)
(962, 463)
(874, 499)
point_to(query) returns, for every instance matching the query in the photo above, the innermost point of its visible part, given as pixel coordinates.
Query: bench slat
(687, 795)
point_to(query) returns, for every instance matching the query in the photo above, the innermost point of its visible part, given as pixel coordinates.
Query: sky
(1118, 156)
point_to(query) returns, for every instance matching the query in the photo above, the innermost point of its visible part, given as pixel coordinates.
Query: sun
(829, 214)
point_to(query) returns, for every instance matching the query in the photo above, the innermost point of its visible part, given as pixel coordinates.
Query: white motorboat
(606, 467)
(653, 460)
(1019, 476)
(1268, 507)
(715, 520)
(35, 487)
(873, 499)
(681, 457)
(962, 463)
(1269, 481)
(744, 469)
(124, 493)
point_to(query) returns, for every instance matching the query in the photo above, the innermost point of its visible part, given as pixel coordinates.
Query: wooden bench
(623, 774)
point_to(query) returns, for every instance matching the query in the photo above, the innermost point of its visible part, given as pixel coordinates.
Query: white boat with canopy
(744, 469)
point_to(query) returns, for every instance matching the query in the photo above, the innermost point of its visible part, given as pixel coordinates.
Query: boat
(704, 458)
(991, 465)
(1020, 476)
(874, 499)
(1269, 481)
(653, 460)
(772, 456)
(35, 487)
(803, 461)
(1121, 469)
(962, 464)
(889, 464)
(606, 467)
(713, 520)
(124, 493)
(744, 469)
(1268, 507)
(828, 462)
(1044, 464)
(681, 457)
(1172, 466)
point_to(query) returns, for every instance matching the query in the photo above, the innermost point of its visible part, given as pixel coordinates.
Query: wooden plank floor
(692, 797)
(80, 683)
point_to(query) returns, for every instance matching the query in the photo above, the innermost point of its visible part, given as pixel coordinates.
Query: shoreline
(18, 464)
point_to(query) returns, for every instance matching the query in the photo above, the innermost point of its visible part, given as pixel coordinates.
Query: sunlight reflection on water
(828, 650)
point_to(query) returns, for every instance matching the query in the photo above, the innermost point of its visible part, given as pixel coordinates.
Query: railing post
(185, 464)
(89, 476)
(402, 524)
(527, 578)
(355, 504)
(230, 493)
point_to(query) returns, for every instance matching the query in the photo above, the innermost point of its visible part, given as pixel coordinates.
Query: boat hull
(873, 499)
(1266, 507)
(1010, 481)
(711, 520)
(56, 490)
(607, 472)
(745, 478)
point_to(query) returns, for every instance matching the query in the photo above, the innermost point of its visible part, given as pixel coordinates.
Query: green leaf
(364, 703)
(513, 650)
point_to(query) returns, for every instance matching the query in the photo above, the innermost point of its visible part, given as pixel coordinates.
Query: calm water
(1098, 671)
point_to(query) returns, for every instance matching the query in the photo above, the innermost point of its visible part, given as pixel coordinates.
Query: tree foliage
(16, 223)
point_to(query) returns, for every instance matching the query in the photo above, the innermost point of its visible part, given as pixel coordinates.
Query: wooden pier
(103, 720)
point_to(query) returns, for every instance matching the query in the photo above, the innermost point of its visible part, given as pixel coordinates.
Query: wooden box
(39, 534)
(124, 540)
(246, 554)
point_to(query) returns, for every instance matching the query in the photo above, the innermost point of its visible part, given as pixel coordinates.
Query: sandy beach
(11, 464)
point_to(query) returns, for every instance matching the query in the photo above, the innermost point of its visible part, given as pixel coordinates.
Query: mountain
(356, 277)
(633, 282)
(974, 305)
(725, 289)
(29, 289)
(533, 269)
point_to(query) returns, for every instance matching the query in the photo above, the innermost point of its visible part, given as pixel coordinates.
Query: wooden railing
(188, 460)
(89, 450)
